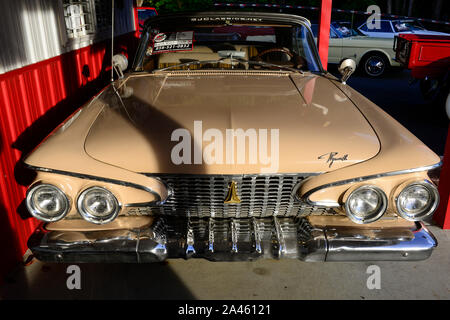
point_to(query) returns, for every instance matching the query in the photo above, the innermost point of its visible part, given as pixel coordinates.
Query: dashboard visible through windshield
(228, 46)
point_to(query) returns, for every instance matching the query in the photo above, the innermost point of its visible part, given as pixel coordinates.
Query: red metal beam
(323, 37)
(442, 215)
(34, 100)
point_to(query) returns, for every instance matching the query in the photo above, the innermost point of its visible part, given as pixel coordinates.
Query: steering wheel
(284, 50)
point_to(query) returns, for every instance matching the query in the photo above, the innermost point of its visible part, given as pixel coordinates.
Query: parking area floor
(268, 279)
(404, 102)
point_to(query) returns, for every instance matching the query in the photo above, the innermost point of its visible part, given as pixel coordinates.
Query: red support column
(323, 37)
(442, 215)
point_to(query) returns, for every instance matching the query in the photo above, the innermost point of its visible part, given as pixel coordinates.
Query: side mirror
(119, 64)
(346, 68)
(120, 61)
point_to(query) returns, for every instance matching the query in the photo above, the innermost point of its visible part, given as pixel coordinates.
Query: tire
(374, 64)
(429, 88)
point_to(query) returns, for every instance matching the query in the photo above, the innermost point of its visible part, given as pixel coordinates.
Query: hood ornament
(232, 196)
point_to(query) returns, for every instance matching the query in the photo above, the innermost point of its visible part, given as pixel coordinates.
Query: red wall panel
(33, 101)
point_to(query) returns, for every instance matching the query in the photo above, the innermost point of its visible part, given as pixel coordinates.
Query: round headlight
(47, 203)
(365, 204)
(98, 205)
(417, 201)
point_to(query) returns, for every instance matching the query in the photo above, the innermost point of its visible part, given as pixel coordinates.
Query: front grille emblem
(232, 196)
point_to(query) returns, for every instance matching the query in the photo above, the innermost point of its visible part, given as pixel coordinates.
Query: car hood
(294, 123)
(429, 32)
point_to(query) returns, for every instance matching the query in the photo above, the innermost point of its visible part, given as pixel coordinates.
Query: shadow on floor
(98, 281)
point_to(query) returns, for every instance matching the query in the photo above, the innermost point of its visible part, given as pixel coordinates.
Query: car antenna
(112, 62)
(112, 41)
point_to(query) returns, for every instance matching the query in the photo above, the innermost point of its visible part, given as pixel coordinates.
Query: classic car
(374, 56)
(391, 28)
(233, 149)
(428, 58)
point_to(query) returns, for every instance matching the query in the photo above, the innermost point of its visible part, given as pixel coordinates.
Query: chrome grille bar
(204, 195)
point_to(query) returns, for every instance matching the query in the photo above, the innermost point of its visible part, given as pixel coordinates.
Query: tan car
(228, 141)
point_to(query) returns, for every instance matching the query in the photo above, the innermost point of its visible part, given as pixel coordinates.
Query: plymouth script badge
(332, 157)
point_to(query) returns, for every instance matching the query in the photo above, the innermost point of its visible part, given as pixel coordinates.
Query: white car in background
(392, 28)
(373, 56)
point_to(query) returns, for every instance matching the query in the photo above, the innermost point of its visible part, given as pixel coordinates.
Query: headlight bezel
(97, 219)
(31, 206)
(374, 216)
(431, 207)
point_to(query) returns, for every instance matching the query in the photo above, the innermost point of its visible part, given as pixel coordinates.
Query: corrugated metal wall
(34, 30)
(35, 98)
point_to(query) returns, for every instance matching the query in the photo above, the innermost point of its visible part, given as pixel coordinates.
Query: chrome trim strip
(305, 174)
(305, 197)
(101, 179)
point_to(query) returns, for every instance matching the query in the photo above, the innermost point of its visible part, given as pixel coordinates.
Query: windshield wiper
(190, 63)
(240, 60)
(267, 64)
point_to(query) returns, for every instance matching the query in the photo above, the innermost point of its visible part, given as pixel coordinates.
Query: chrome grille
(204, 195)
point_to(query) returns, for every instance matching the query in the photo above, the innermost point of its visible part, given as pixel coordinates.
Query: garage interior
(31, 114)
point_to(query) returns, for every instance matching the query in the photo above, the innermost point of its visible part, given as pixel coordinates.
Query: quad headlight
(416, 201)
(98, 205)
(47, 202)
(365, 204)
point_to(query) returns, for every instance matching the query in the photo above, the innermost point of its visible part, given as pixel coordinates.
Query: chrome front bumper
(233, 239)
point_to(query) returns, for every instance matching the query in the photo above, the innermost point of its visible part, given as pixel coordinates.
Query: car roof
(218, 16)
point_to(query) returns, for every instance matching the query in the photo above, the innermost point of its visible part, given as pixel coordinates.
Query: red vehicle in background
(428, 58)
(142, 14)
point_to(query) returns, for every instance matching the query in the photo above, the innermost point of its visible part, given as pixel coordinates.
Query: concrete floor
(264, 279)
(268, 279)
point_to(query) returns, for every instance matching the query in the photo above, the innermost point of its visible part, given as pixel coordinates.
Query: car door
(335, 47)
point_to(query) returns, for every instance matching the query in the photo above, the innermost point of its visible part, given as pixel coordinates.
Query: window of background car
(314, 29)
(385, 26)
(402, 26)
(284, 45)
(363, 27)
(345, 29)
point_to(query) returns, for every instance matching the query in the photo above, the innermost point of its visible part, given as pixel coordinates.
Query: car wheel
(429, 88)
(375, 64)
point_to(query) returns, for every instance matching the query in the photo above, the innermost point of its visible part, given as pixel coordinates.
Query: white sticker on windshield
(173, 42)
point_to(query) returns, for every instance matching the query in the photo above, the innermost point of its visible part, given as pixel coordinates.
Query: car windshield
(402, 26)
(345, 29)
(228, 46)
